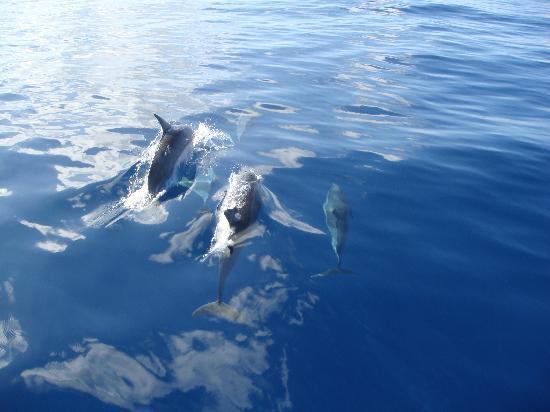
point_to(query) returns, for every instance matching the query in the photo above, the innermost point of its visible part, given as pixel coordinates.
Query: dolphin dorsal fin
(163, 123)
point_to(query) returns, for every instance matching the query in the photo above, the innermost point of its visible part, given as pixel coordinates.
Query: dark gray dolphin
(236, 214)
(174, 149)
(243, 206)
(236, 218)
(337, 212)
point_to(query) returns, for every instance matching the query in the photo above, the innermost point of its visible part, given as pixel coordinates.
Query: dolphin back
(173, 143)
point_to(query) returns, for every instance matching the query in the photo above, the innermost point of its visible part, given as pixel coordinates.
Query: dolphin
(236, 223)
(337, 212)
(175, 170)
(174, 150)
(235, 216)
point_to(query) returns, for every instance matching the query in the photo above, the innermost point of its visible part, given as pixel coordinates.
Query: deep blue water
(432, 118)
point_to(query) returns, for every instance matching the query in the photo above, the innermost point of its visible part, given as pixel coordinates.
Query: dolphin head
(250, 177)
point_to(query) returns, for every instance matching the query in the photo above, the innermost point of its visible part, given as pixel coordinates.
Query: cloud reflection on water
(227, 365)
(12, 341)
(53, 246)
(5, 192)
(47, 85)
(198, 359)
(12, 337)
(182, 243)
(51, 231)
(288, 156)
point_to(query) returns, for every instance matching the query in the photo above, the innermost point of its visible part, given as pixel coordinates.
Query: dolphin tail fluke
(219, 310)
(334, 271)
(163, 123)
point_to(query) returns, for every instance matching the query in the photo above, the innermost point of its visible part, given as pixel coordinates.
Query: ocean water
(432, 118)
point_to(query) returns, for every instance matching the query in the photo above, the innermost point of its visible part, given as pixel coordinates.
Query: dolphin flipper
(203, 183)
(219, 310)
(277, 212)
(241, 238)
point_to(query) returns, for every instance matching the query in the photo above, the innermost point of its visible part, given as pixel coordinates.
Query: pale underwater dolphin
(174, 150)
(236, 223)
(337, 212)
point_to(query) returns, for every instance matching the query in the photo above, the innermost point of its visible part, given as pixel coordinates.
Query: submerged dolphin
(174, 150)
(236, 222)
(337, 212)
(236, 213)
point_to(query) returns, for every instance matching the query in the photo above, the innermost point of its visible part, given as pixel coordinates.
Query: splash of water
(207, 140)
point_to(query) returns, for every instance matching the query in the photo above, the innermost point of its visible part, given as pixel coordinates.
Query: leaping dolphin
(174, 150)
(337, 212)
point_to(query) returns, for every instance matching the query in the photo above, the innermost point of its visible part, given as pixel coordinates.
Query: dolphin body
(175, 151)
(236, 214)
(337, 212)
(236, 218)
(173, 171)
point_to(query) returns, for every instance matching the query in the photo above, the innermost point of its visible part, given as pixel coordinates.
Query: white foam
(138, 204)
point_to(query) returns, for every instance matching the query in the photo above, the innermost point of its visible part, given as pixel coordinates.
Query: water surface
(432, 118)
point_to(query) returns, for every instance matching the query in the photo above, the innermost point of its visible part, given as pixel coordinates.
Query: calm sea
(432, 118)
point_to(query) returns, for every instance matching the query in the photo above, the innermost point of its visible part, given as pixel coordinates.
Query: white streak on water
(52, 231)
(278, 213)
(12, 341)
(51, 246)
(182, 243)
(286, 403)
(288, 156)
(9, 291)
(5, 192)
